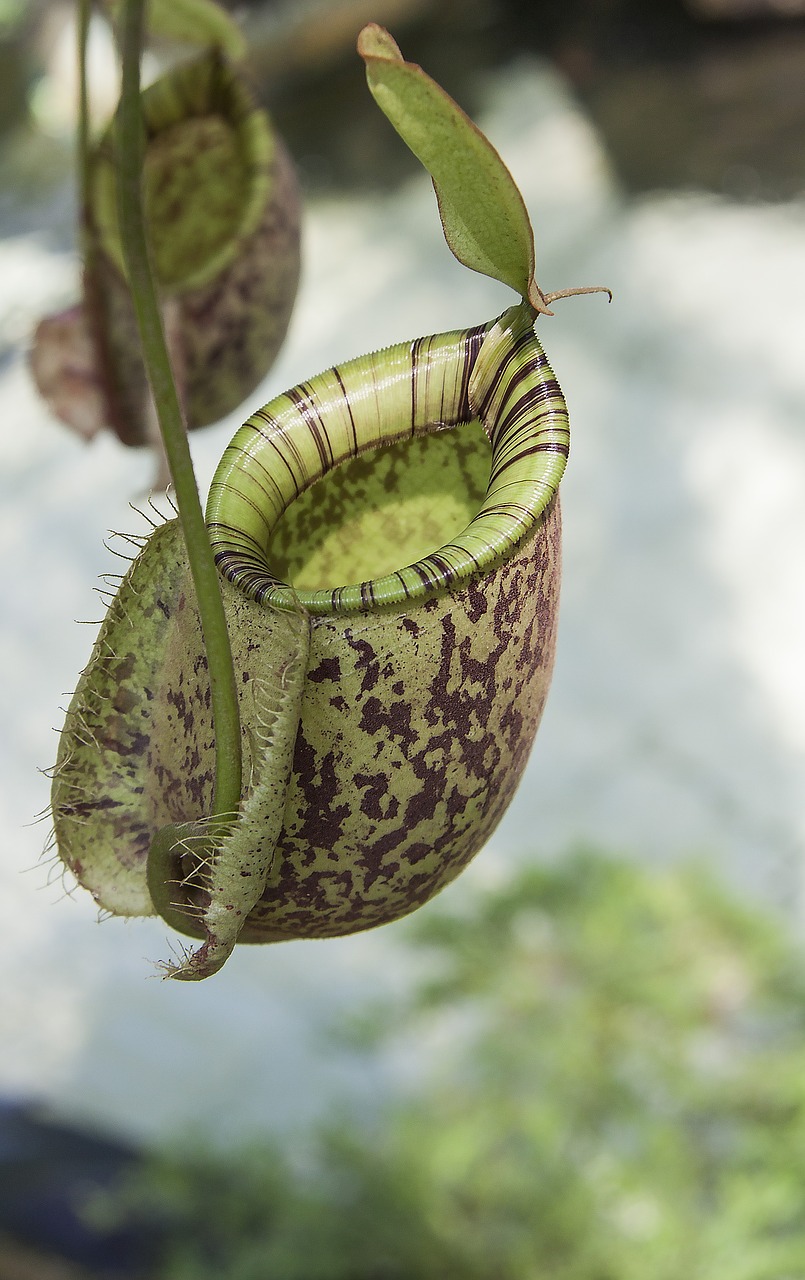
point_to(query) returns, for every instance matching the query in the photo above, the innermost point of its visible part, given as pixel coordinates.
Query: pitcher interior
(383, 510)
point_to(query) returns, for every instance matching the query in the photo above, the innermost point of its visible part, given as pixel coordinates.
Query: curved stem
(130, 146)
(162, 879)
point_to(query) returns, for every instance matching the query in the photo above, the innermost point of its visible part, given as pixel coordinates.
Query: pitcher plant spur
(388, 539)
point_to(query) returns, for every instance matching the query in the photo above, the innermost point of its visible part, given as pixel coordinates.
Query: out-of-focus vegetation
(616, 1092)
(691, 94)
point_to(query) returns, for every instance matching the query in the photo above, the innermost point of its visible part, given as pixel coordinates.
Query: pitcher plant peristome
(389, 538)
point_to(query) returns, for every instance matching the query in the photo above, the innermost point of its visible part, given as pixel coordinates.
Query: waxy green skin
(415, 728)
(392, 642)
(381, 740)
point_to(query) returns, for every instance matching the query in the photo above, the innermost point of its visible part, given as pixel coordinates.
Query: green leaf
(483, 214)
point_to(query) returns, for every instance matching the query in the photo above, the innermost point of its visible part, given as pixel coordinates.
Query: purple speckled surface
(676, 723)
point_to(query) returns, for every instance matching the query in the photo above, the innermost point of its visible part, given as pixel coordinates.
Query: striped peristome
(392, 629)
(497, 373)
(385, 724)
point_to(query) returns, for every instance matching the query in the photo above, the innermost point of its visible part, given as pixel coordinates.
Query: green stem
(130, 146)
(84, 16)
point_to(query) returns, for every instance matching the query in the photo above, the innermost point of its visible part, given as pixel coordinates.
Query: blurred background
(661, 151)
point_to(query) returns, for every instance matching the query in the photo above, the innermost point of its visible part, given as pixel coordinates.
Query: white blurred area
(676, 724)
(54, 101)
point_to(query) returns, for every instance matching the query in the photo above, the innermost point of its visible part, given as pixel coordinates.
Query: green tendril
(130, 140)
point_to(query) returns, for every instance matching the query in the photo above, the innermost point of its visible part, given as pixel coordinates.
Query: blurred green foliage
(613, 1088)
(11, 15)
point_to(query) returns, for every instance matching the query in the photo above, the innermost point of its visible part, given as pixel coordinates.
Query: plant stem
(130, 146)
(82, 140)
